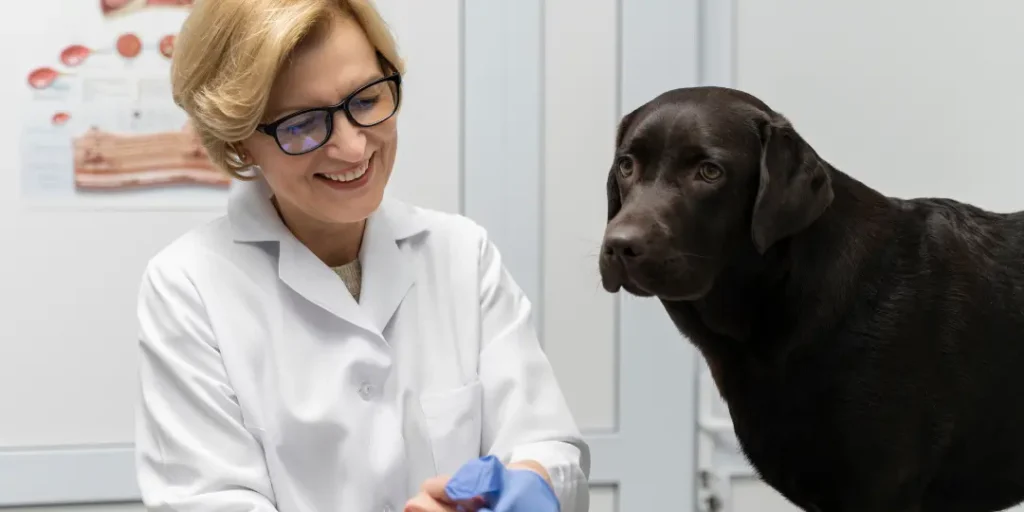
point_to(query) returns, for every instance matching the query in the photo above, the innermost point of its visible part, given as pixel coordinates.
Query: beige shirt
(352, 274)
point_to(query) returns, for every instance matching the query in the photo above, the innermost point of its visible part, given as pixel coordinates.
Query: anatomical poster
(99, 127)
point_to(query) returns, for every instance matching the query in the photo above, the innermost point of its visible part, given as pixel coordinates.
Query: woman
(320, 347)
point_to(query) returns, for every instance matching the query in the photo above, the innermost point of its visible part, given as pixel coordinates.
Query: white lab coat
(265, 386)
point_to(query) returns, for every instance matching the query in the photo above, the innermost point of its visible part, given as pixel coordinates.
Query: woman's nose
(348, 142)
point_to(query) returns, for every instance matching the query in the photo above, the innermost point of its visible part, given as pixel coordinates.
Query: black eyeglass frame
(343, 106)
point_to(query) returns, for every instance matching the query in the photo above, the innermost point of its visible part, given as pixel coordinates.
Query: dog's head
(700, 176)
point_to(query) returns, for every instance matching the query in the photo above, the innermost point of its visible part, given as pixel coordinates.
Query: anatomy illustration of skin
(110, 150)
(105, 160)
(121, 7)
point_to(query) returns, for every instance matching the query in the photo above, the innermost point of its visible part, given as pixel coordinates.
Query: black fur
(870, 348)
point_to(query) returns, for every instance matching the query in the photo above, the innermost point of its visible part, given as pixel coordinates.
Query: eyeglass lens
(368, 107)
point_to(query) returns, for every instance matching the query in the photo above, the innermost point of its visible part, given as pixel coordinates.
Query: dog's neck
(759, 304)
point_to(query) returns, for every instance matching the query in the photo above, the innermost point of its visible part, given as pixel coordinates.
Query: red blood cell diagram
(41, 78)
(167, 46)
(129, 46)
(60, 118)
(74, 55)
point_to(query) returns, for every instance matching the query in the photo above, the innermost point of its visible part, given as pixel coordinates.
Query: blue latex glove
(502, 489)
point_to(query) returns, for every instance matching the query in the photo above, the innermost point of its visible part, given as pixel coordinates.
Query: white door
(546, 85)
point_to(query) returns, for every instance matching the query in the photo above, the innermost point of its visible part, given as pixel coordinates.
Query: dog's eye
(625, 166)
(709, 172)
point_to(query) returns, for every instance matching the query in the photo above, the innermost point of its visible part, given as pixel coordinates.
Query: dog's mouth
(655, 281)
(634, 288)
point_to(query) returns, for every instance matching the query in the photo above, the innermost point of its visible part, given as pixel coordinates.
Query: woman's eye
(625, 166)
(364, 103)
(299, 126)
(709, 172)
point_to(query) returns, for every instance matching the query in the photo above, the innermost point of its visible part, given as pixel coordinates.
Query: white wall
(509, 116)
(915, 98)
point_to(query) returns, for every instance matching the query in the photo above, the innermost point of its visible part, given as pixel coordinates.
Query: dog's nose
(624, 241)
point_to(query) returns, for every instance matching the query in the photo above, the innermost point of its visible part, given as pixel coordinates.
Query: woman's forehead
(325, 70)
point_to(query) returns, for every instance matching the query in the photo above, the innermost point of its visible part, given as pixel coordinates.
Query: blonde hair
(229, 52)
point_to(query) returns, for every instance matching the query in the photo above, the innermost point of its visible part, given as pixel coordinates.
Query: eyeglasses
(368, 106)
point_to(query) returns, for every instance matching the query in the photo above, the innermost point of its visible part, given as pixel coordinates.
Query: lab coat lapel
(301, 270)
(387, 271)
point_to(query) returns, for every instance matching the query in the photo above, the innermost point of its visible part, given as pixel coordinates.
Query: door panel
(428, 163)
(603, 499)
(625, 370)
(581, 76)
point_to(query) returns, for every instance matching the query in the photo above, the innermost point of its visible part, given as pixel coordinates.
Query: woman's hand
(523, 486)
(433, 498)
(527, 488)
(531, 465)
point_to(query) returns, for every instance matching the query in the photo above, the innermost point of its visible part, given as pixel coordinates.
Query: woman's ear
(795, 185)
(248, 168)
(238, 153)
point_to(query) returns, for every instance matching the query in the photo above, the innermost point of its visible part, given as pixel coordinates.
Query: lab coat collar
(253, 217)
(387, 272)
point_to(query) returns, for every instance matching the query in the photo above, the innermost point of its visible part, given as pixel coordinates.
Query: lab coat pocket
(454, 420)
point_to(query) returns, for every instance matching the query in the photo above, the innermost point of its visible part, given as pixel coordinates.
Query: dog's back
(890, 362)
(957, 283)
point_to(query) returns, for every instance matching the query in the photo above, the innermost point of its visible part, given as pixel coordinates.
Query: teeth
(348, 176)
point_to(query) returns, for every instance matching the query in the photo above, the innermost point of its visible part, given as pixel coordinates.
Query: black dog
(870, 349)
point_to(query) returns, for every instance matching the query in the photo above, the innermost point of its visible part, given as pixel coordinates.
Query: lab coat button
(365, 390)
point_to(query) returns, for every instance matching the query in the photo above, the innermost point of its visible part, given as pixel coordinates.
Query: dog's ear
(795, 186)
(614, 199)
(612, 186)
